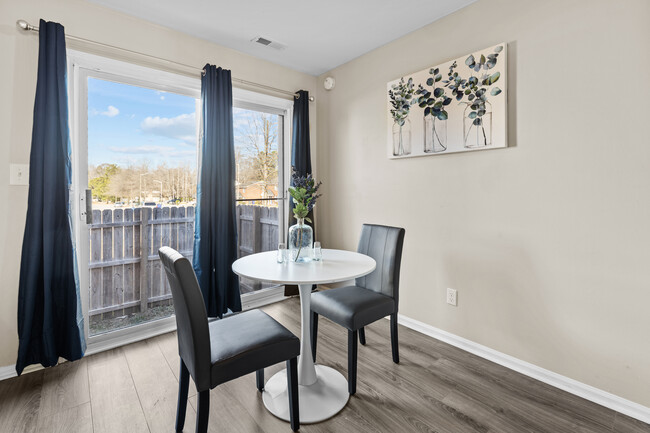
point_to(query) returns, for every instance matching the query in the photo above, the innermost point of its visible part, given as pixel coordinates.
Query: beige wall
(547, 241)
(18, 83)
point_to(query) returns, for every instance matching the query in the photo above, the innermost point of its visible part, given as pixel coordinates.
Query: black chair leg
(183, 386)
(393, 337)
(362, 336)
(292, 386)
(314, 334)
(259, 379)
(352, 361)
(203, 411)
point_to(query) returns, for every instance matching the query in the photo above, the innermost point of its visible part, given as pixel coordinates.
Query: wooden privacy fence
(257, 227)
(125, 271)
(126, 275)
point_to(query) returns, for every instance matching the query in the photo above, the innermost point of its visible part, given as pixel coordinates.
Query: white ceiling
(319, 36)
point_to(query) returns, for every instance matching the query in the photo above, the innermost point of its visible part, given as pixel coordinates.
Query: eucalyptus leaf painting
(457, 106)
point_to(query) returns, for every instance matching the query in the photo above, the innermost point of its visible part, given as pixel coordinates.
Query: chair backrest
(191, 316)
(384, 244)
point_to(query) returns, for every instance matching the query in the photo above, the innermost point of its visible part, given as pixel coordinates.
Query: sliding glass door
(260, 186)
(135, 134)
(262, 126)
(135, 151)
(142, 153)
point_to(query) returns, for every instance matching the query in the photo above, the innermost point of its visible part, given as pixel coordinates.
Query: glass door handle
(86, 206)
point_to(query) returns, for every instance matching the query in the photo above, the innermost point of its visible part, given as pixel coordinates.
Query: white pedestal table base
(318, 402)
(322, 391)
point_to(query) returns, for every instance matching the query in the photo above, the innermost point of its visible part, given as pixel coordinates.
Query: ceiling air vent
(268, 43)
(262, 41)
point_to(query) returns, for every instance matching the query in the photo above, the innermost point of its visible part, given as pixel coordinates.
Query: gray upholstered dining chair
(371, 298)
(214, 352)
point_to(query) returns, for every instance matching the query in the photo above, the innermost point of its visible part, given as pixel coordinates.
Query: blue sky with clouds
(131, 125)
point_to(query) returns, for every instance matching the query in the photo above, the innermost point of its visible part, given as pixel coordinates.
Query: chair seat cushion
(247, 342)
(352, 306)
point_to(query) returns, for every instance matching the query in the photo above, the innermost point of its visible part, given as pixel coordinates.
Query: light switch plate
(19, 174)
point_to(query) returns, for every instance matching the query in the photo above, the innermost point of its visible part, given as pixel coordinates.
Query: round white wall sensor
(329, 83)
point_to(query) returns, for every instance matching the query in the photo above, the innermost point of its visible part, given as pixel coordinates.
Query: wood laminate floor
(435, 388)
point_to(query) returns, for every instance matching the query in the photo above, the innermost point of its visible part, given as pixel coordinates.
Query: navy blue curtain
(300, 157)
(215, 232)
(50, 320)
(300, 148)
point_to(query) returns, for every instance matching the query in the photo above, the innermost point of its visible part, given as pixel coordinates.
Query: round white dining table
(322, 390)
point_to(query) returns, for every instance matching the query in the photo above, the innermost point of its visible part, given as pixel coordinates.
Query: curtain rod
(24, 25)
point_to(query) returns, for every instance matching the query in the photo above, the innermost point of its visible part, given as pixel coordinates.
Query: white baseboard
(9, 371)
(564, 383)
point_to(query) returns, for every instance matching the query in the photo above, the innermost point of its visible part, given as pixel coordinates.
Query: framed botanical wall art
(457, 106)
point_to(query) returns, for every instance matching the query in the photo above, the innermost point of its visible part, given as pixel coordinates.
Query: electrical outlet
(452, 297)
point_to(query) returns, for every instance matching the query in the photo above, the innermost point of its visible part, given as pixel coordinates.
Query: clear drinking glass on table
(282, 252)
(318, 253)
